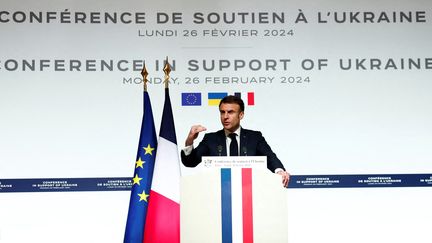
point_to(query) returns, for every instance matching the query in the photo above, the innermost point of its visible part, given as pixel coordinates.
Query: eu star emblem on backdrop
(143, 175)
(191, 99)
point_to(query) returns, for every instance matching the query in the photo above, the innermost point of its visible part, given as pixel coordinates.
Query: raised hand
(193, 134)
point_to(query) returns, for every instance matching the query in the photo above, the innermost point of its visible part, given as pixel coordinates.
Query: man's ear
(241, 115)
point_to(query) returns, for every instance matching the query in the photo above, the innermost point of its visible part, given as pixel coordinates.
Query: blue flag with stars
(143, 174)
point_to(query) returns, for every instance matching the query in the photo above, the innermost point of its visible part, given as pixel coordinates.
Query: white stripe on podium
(237, 212)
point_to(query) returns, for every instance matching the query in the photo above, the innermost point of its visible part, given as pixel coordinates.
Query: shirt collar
(236, 132)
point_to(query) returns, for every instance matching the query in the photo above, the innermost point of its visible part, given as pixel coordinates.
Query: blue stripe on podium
(226, 204)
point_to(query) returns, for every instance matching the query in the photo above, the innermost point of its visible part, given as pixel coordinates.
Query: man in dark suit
(232, 140)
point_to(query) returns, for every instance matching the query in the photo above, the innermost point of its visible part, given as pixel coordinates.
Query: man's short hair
(232, 99)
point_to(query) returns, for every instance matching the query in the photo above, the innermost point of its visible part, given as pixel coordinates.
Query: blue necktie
(233, 145)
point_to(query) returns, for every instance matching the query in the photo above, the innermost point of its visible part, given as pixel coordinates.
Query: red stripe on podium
(247, 205)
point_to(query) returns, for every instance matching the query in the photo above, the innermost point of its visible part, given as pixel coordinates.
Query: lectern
(224, 205)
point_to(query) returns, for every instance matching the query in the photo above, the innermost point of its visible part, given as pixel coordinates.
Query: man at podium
(232, 140)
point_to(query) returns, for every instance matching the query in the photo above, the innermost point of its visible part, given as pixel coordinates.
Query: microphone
(219, 149)
(244, 151)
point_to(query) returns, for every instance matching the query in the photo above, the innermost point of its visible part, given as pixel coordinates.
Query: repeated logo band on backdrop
(296, 182)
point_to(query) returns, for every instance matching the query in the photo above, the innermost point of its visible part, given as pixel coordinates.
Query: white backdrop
(63, 123)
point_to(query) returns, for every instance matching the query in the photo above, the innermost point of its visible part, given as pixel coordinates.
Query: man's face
(230, 116)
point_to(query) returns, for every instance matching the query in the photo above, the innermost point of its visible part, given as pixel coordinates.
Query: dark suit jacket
(252, 143)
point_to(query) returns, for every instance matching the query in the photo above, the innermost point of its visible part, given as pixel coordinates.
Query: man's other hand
(285, 177)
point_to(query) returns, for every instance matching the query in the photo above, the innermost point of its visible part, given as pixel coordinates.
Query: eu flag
(143, 174)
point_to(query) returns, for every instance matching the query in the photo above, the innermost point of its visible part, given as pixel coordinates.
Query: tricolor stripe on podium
(237, 192)
(238, 205)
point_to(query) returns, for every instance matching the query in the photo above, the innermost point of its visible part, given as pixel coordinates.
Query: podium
(233, 205)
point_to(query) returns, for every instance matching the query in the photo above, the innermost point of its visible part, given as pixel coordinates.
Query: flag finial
(144, 74)
(167, 70)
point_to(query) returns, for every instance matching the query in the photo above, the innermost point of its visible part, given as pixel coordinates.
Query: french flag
(248, 97)
(163, 213)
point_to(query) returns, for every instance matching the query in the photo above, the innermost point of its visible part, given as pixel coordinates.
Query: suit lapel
(243, 142)
(221, 147)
